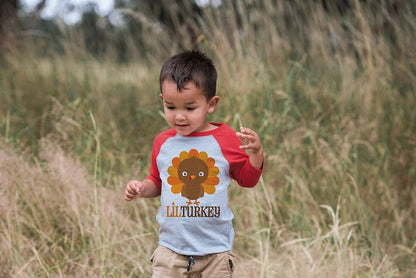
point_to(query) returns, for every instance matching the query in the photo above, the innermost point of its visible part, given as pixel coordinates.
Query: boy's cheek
(167, 114)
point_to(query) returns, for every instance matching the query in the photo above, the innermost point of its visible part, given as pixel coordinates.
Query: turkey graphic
(193, 174)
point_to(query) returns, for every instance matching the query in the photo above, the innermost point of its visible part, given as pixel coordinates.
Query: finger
(130, 193)
(131, 190)
(253, 142)
(246, 136)
(250, 137)
(248, 146)
(249, 140)
(247, 131)
(129, 197)
(132, 185)
(139, 190)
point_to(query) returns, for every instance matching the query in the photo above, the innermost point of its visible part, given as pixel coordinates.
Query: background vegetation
(329, 86)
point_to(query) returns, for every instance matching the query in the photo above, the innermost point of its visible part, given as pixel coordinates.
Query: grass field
(332, 100)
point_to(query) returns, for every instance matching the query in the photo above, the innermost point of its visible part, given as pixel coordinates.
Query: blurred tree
(9, 25)
(179, 19)
(38, 8)
(94, 36)
(179, 23)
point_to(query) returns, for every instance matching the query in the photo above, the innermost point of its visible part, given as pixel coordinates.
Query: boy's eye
(190, 108)
(170, 107)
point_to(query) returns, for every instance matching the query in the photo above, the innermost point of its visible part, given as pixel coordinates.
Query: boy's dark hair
(190, 66)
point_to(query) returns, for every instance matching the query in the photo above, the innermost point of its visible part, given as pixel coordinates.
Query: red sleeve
(240, 168)
(154, 174)
(154, 171)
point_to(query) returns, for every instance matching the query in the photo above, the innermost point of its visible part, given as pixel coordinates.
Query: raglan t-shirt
(192, 174)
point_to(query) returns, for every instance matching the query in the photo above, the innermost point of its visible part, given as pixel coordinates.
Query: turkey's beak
(191, 177)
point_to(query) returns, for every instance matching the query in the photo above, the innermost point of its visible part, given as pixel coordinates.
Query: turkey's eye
(201, 174)
(184, 174)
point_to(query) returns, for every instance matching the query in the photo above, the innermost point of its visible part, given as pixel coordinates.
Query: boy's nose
(180, 116)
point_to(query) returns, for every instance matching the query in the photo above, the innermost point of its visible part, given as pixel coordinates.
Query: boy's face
(186, 110)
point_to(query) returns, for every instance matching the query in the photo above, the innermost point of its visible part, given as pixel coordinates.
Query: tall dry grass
(331, 96)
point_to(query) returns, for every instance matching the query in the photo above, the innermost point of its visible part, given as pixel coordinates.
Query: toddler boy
(192, 165)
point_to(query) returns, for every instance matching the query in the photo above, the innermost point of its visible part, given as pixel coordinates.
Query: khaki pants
(169, 264)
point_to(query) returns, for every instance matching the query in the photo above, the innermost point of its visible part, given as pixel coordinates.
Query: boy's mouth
(181, 125)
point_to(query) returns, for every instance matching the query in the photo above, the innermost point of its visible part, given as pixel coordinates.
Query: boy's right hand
(134, 189)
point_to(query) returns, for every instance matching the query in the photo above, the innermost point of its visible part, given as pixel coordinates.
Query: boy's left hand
(253, 143)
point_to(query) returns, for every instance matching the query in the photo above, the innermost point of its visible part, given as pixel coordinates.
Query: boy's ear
(161, 96)
(212, 103)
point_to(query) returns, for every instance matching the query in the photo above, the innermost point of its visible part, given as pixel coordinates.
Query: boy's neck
(209, 126)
